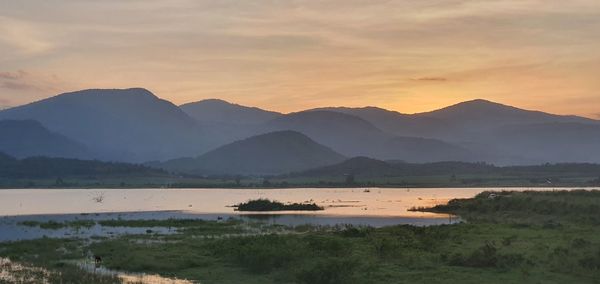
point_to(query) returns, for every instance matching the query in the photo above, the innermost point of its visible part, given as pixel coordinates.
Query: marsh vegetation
(509, 237)
(260, 205)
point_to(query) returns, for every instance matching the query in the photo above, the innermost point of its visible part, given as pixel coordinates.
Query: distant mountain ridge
(223, 122)
(133, 125)
(220, 111)
(120, 124)
(354, 136)
(271, 153)
(454, 121)
(28, 138)
(483, 127)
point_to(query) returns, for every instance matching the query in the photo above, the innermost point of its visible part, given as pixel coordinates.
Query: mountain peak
(137, 92)
(220, 111)
(478, 104)
(118, 124)
(271, 153)
(209, 101)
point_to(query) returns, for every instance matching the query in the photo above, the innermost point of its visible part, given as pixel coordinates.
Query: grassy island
(264, 205)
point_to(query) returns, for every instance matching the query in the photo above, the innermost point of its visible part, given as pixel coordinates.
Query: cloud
(286, 55)
(24, 37)
(26, 81)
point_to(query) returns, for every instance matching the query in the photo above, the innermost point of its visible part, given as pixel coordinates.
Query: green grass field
(510, 237)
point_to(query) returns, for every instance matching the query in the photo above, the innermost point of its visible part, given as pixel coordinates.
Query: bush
(268, 205)
(329, 271)
(487, 256)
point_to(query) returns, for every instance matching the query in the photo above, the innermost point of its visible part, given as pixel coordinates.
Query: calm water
(373, 207)
(384, 202)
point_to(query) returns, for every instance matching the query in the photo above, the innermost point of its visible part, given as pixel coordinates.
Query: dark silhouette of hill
(45, 167)
(266, 154)
(353, 166)
(370, 168)
(26, 138)
(124, 125)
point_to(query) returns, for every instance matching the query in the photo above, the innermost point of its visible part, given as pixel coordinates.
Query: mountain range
(217, 137)
(124, 125)
(267, 154)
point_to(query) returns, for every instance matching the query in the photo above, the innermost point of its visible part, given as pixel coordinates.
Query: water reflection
(354, 206)
(13, 229)
(337, 201)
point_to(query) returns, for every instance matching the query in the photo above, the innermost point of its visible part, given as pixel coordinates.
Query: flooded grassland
(503, 237)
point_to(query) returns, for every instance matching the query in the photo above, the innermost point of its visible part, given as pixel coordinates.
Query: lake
(375, 207)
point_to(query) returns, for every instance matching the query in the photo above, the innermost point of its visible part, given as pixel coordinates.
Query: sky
(288, 55)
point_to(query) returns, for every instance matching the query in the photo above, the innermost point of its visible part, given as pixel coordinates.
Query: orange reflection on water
(337, 201)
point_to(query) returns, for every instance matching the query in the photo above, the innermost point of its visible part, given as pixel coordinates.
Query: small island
(268, 205)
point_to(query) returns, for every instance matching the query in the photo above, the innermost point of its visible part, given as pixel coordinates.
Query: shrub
(329, 271)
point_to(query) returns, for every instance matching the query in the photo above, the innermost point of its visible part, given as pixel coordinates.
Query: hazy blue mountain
(395, 122)
(224, 122)
(134, 125)
(220, 111)
(120, 124)
(548, 142)
(458, 122)
(494, 132)
(26, 138)
(354, 136)
(271, 153)
(484, 114)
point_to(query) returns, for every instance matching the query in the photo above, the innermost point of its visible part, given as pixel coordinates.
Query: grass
(260, 205)
(53, 225)
(528, 237)
(532, 207)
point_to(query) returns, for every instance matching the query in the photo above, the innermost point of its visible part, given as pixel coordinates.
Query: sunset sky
(288, 55)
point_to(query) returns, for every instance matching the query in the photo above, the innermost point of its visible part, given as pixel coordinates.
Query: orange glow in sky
(409, 56)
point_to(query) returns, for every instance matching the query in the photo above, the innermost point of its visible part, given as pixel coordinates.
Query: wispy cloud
(27, 81)
(285, 55)
(24, 37)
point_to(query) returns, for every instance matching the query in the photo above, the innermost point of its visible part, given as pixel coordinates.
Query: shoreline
(511, 187)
